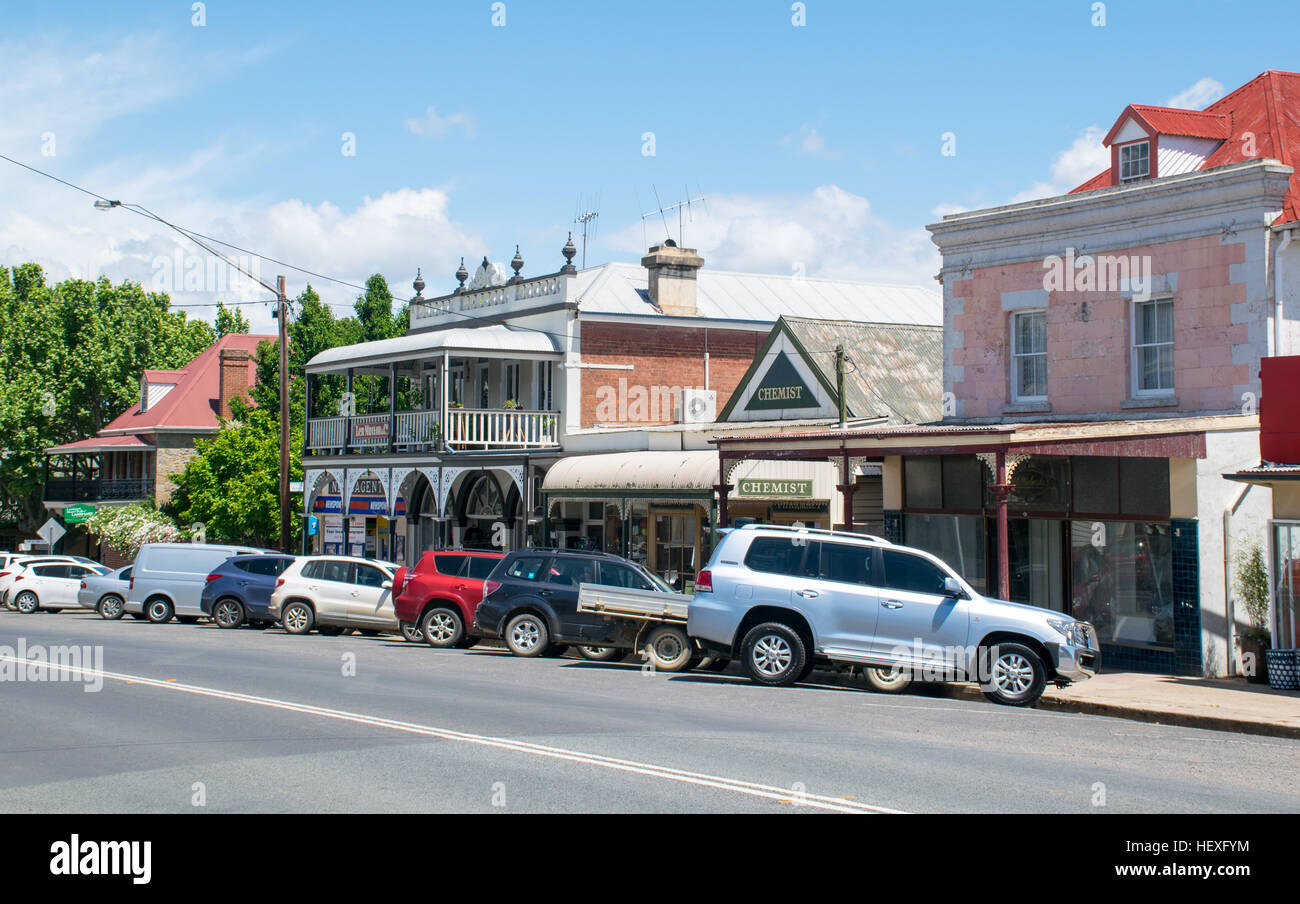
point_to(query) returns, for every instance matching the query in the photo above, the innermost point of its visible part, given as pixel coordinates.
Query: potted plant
(1253, 591)
(511, 404)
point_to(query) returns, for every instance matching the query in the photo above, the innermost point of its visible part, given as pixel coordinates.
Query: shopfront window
(1034, 562)
(958, 540)
(675, 540)
(1286, 597)
(1122, 582)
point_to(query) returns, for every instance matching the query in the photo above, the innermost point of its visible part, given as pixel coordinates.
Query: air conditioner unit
(698, 406)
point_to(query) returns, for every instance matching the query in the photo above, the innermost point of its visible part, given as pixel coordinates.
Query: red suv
(439, 595)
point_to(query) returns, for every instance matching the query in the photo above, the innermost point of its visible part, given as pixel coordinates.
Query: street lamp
(281, 313)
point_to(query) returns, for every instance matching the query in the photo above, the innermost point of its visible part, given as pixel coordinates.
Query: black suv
(530, 601)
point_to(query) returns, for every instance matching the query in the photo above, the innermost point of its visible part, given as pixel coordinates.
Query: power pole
(282, 312)
(839, 387)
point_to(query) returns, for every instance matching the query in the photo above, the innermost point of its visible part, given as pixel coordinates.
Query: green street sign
(76, 514)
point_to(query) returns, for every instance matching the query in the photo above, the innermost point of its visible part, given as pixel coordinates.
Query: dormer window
(1135, 161)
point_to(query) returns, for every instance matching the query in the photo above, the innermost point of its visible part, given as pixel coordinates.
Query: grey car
(105, 593)
(781, 600)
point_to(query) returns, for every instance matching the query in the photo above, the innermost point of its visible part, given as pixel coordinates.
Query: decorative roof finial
(461, 275)
(516, 264)
(418, 285)
(569, 251)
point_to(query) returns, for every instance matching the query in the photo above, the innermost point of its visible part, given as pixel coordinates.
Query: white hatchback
(334, 594)
(51, 585)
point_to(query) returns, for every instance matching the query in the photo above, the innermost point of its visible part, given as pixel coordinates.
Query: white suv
(335, 594)
(50, 586)
(781, 599)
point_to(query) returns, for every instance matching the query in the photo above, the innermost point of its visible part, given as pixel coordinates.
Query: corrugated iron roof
(1174, 121)
(896, 370)
(126, 442)
(623, 288)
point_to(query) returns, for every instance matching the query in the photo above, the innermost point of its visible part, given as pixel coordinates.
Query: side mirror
(953, 590)
(387, 585)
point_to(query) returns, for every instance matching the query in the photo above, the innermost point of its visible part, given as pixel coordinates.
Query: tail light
(83, 585)
(17, 578)
(212, 577)
(399, 580)
(704, 582)
(131, 586)
(279, 582)
(3, 573)
(489, 588)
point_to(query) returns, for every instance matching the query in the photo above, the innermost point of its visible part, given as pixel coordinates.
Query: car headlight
(1073, 631)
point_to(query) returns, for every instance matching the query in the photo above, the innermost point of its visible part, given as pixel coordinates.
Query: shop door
(676, 538)
(1036, 562)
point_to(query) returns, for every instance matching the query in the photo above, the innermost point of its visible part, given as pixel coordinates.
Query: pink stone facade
(1089, 335)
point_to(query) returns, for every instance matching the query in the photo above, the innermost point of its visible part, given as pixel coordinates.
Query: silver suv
(783, 599)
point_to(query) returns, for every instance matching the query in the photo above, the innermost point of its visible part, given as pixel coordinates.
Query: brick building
(509, 376)
(136, 454)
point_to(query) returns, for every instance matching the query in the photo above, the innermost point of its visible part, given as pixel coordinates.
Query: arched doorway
(482, 507)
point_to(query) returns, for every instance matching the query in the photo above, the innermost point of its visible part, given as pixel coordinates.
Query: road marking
(753, 789)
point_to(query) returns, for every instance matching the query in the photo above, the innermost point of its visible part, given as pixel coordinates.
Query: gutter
(1278, 283)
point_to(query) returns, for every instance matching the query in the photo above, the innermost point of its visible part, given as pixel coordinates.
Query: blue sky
(817, 146)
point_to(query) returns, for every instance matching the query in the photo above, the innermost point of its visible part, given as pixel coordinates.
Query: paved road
(252, 721)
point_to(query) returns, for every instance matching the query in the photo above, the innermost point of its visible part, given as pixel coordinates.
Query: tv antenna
(684, 213)
(586, 218)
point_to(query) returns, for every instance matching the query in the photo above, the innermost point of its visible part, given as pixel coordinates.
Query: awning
(127, 443)
(634, 473)
(498, 341)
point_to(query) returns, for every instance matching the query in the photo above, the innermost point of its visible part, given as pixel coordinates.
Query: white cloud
(436, 126)
(828, 232)
(810, 142)
(1198, 96)
(1078, 163)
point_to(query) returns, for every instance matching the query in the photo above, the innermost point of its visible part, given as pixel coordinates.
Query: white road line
(753, 789)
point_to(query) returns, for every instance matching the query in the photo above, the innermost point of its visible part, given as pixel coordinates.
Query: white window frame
(1120, 161)
(483, 384)
(1135, 358)
(511, 383)
(545, 386)
(1017, 355)
(457, 388)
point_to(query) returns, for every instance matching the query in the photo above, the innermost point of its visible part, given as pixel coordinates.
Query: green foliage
(128, 527)
(232, 485)
(1253, 589)
(72, 355)
(230, 320)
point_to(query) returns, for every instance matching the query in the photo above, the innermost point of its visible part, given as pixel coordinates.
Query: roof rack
(815, 530)
(582, 552)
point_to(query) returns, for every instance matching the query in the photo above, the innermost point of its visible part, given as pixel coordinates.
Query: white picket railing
(475, 428)
(326, 432)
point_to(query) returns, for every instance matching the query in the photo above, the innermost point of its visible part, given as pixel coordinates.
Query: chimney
(234, 378)
(672, 278)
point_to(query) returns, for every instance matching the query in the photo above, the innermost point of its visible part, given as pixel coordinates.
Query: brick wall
(663, 357)
(1089, 334)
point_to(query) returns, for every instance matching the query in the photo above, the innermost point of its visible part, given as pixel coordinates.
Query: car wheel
(297, 618)
(111, 608)
(1015, 675)
(330, 630)
(26, 602)
(412, 633)
(890, 680)
(527, 635)
(601, 654)
(228, 613)
(669, 649)
(159, 611)
(442, 628)
(773, 654)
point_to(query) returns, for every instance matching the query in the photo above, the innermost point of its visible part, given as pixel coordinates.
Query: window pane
(368, 576)
(921, 477)
(1096, 485)
(777, 555)
(1121, 580)
(481, 566)
(527, 568)
(910, 573)
(963, 482)
(1144, 486)
(452, 566)
(958, 540)
(573, 571)
(1165, 321)
(846, 564)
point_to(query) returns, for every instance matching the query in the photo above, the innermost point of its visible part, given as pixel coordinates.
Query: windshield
(660, 584)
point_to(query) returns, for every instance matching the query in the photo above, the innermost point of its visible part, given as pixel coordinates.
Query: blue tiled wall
(1187, 596)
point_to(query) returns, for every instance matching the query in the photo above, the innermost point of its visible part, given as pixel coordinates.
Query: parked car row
(782, 601)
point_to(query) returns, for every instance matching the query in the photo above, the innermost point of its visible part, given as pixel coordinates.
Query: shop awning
(634, 473)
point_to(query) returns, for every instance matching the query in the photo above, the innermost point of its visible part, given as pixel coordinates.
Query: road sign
(295, 486)
(51, 532)
(77, 514)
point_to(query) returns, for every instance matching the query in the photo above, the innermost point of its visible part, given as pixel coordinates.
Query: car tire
(159, 611)
(443, 628)
(1015, 674)
(27, 603)
(228, 613)
(887, 680)
(111, 608)
(601, 654)
(668, 649)
(331, 630)
(527, 635)
(773, 654)
(297, 618)
(411, 633)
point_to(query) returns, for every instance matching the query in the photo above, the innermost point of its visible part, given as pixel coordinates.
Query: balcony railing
(98, 490)
(467, 429)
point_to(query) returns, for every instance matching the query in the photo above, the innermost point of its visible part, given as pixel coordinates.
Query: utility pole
(282, 312)
(839, 386)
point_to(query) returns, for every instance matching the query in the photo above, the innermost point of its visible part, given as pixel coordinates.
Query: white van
(167, 578)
